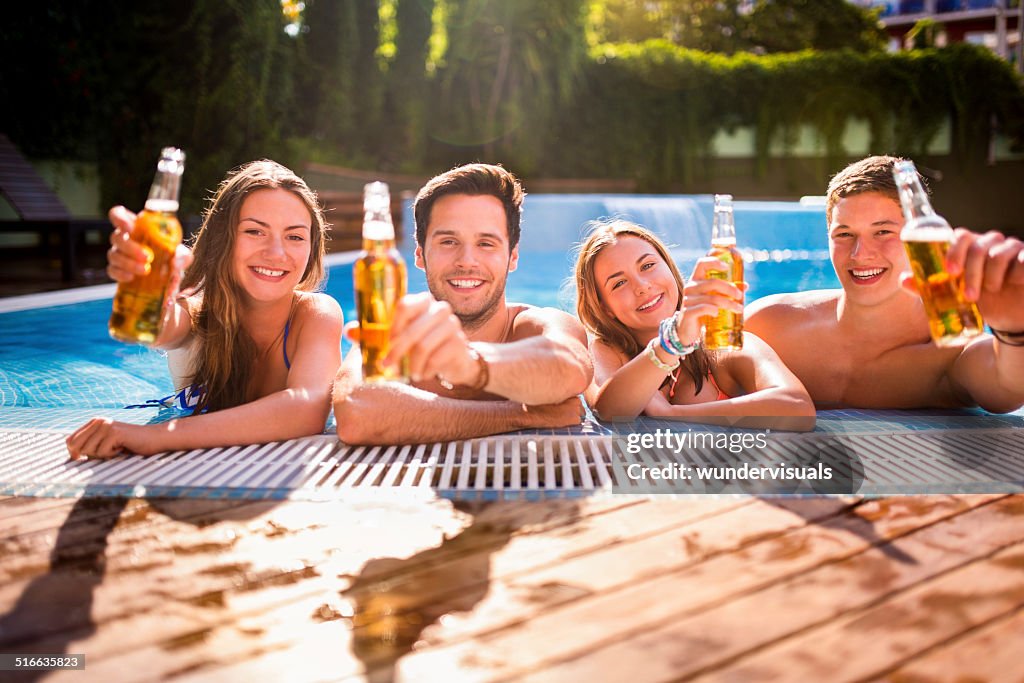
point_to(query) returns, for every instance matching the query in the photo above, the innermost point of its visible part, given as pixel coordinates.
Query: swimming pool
(60, 356)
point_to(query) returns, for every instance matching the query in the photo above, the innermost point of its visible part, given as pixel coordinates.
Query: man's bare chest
(862, 375)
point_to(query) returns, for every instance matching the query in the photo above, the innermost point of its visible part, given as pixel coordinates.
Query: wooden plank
(106, 524)
(715, 641)
(870, 643)
(13, 510)
(261, 611)
(446, 591)
(989, 653)
(322, 652)
(251, 538)
(49, 515)
(244, 567)
(636, 608)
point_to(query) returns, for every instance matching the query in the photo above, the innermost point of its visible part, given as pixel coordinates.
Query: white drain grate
(34, 463)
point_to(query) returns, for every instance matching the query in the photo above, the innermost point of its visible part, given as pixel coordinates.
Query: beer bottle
(138, 311)
(927, 237)
(725, 330)
(380, 281)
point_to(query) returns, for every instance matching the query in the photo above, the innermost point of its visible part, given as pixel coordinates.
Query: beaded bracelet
(667, 368)
(664, 336)
(1008, 338)
(669, 337)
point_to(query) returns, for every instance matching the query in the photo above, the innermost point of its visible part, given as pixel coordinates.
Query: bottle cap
(172, 160)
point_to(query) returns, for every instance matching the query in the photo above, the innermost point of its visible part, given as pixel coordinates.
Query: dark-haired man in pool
(479, 365)
(867, 345)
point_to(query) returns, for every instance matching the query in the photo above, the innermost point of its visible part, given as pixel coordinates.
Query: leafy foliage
(109, 82)
(650, 111)
(729, 26)
(510, 66)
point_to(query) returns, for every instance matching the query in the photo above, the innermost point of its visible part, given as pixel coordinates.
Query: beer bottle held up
(725, 330)
(380, 281)
(927, 236)
(138, 310)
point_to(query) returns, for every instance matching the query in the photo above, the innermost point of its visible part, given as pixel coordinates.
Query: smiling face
(465, 254)
(865, 247)
(635, 284)
(272, 244)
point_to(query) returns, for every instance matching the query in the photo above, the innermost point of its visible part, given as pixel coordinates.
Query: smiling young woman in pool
(248, 335)
(630, 294)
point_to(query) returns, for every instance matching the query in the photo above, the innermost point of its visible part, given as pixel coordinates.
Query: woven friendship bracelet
(652, 355)
(665, 337)
(669, 336)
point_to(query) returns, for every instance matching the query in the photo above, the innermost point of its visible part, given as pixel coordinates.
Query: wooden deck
(602, 589)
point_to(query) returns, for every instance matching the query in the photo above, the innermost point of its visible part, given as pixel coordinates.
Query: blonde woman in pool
(249, 338)
(644, 324)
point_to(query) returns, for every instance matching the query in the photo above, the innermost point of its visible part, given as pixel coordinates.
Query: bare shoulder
(605, 353)
(790, 308)
(317, 306)
(530, 321)
(793, 302)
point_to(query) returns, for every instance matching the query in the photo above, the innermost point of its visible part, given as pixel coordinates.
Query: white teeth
(466, 284)
(870, 272)
(268, 272)
(650, 303)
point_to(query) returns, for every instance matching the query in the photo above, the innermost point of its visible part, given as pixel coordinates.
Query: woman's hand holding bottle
(704, 297)
(127, 259)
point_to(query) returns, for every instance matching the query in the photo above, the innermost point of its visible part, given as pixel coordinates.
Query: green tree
(729, 26)
(230, 100)
(340, 81)
(709, 25)
(509, 66)
(328, 77)
(792, 25)
(120, 81)
(408, 84)
(625, 21)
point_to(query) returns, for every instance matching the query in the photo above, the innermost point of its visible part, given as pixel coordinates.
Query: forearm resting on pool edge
(388, 413)
(537, 370)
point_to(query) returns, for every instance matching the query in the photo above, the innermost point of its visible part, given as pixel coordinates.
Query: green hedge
(649, 111)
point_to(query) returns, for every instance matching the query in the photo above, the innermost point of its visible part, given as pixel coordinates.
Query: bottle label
(162, 205)
(378, 230)
(929, 233)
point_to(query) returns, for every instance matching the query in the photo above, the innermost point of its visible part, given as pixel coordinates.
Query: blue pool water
(62, 357)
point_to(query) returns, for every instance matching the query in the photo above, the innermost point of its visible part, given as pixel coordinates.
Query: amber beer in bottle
(725, 330)
(926, 236)
(138, 311)
(380, 281)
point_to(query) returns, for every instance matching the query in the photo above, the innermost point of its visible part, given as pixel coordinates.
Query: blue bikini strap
(284, 345)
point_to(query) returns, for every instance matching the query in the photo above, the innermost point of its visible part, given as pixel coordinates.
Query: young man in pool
(478, 365)
(867, 345)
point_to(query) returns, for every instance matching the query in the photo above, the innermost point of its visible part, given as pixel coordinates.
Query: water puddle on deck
(392, 601)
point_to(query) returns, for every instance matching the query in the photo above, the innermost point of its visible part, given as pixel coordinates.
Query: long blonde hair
(595, 316)
(226, 354)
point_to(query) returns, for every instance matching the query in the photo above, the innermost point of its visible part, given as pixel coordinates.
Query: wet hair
(473, 180)
(595, 316)
(226, 356)
(872, 174)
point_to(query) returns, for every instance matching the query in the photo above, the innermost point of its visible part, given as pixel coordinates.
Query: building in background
(995, 24)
